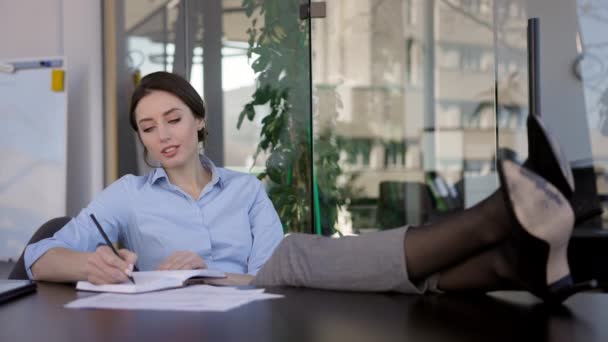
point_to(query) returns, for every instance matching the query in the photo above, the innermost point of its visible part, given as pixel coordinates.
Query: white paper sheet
(191, 298)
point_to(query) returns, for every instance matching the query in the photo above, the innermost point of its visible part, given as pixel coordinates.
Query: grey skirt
(370, 262)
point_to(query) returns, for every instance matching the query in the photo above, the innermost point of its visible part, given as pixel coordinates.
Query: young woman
(185, 214)
(515, 239)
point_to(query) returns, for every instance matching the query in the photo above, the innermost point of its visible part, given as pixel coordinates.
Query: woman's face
(168, 129)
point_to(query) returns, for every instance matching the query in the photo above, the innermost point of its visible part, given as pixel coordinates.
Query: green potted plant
(282, 66)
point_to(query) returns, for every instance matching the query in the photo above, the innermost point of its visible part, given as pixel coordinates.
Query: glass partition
(404, 120)
(589, 69)
(512, 76)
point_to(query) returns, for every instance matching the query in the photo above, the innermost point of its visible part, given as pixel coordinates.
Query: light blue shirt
(232, 225)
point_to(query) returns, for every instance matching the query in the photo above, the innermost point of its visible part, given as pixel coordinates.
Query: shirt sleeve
(110, 208)
(266, 230)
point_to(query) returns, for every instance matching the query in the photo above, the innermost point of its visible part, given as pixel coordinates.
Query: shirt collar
(216, 178)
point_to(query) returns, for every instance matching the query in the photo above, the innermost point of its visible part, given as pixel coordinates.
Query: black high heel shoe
(538, 246)
(545, 158)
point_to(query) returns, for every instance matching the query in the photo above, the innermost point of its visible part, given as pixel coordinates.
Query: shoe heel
(545, 157)
(565, 288)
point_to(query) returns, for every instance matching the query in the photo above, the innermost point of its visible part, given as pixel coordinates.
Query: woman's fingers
(104, 267)
(183, 260)
(111, 259)
(167, 263)
(195, 262)
(180, 258)
(101, 273)
(129, 257)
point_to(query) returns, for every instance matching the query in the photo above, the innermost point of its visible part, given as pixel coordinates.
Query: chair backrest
(45, 231)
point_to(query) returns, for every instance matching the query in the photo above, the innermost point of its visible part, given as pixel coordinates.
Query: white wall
(70, 28)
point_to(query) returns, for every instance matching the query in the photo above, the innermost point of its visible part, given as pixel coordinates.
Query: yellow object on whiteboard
(57, 80)
(136, 77)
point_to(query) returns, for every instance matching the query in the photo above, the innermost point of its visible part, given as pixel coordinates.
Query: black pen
(105, 237)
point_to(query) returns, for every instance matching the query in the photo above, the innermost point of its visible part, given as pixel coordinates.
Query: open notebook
(153, 281)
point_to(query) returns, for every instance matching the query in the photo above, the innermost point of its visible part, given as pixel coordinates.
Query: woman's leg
(534, 257)
(371, 262)
(393, 260)
(462, 252)
(433, 247)
(486, 271)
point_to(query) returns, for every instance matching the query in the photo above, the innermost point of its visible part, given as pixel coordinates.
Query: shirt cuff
(34, 251)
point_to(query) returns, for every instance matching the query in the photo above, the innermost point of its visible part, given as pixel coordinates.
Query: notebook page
(143, 283)
(150, 281)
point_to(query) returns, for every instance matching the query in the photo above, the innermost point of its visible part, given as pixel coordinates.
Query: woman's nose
(163, 133)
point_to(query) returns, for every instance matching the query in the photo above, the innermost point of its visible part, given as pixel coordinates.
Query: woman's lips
(170, 151)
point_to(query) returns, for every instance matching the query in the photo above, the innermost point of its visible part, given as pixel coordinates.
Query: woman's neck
(191, 178)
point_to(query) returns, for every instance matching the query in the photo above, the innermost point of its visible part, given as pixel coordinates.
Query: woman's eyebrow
(165, 113)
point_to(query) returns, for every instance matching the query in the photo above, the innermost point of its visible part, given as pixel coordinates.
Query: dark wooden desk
(310, 315)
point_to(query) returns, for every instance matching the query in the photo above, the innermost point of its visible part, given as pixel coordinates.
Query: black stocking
(437, 246)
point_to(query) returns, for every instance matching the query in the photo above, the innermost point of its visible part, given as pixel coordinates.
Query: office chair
(46, 230)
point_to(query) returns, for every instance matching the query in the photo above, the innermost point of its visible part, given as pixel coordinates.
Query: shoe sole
(544, 213)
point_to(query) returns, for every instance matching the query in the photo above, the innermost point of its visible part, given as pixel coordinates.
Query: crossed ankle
(503, 270)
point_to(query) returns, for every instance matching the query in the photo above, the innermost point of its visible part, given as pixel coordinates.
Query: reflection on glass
(512, 75)
(404, 93)
(150, 46)
(590, 69)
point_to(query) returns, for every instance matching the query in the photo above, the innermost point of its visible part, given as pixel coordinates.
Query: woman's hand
(104, 267)
(182, 260)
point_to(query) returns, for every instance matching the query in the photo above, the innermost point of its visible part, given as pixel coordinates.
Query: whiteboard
(33, 152)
